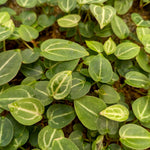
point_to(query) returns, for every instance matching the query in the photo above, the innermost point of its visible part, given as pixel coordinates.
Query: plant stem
(79, 10)
(146, 4)
(22, 148)
(25, 43)
(4, 45)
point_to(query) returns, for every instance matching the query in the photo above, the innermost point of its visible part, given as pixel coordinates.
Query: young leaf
(141, 108)
(137, 79)
(116, 112)
(95, 46)
(60, 115)
(103, 14)
(63, 144)
(87, 109)
(27, 33)
(122, 6)
(27, 111)
(108, 94)
(134, 136)
(69, 21)
(62, 50)
(27, 3)
(143, 60)
(7, 68)
(109, 46)
(47, 135)
(100, 69)
(6, 131)
(98, 143)
(119, 27)
(107, 126)
(15, 93)
(127, 50)
(67, 5)
(60, 85)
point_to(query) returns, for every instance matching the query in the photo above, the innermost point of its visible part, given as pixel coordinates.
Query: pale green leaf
(4, 17)
(116, 112)
(90, 1)
(27, 3)
(27, 111)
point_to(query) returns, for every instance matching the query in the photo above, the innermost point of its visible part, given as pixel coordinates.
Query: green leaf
(80, 86)
(27, 3)
(95, 46)
(108, 94)
(103, 14)
(146, 42)
(141, 32)
(69, 21)
(107, 126)
(143, 60)
(62, 50)
(47, 135)
(127, 50)
(122, 6)
(114, 146)
(109, 46)
(6, 131)
(100, 69)
(41, 92)
(90, 1)
(67, 5)
(60, 115)
(119, 27)
(60, 85)
(137, 79)
(7, 68)
(98, 143)
(63, 144)
(27, 33)
(27, 111)
(87, 109)
(4, 17)
(9, 10)
(30, 56)
(141, 109)
(134, 136)
(15, 93)
(3, 2)
(116, 112)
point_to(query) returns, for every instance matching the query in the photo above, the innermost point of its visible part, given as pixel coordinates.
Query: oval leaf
(103, 14)
(100, 69)
(87, 109)
(116, 112)
(60, 85)
(127, 50)
(69, 21)
(60, 115)
(27, 111)
(7, 68)
(47, 135)
(134, 136)
(27, 3)
(6, 131)
(119, 27)
(62, 50)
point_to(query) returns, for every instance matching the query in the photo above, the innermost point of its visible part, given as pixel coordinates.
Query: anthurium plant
(74, 75)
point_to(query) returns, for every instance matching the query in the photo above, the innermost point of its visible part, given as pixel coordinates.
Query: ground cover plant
(74, 74)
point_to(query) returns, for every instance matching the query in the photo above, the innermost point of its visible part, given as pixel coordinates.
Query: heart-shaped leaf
(6, 131)
(141, 108)
(69, 21)
(60, 115)
(27, 3)
(119, 27)
(103, 14)
(7, 68)
(27, 111)
(62, 50)
(60, 85)
(87, 109)
(127, 50)
(134, 136)
(47, 135)
(63, 144)
(100, 69)
(116, 112)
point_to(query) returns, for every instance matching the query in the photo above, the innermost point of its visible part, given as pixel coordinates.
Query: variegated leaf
(27, 3)
(81, 2)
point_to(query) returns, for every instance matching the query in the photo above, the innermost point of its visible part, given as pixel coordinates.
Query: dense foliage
(64, 93)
